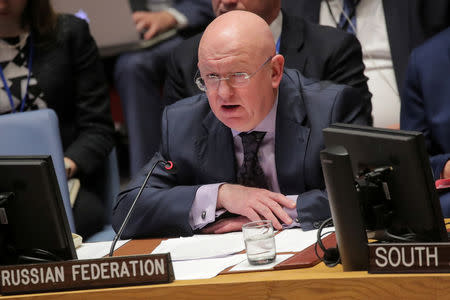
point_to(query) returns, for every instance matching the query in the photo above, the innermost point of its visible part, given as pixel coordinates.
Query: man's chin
(238, 124)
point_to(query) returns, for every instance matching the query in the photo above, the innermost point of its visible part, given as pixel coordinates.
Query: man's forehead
(240, 62)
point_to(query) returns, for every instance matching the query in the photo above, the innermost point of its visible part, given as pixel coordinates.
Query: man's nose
(230, 2)
(224, 90)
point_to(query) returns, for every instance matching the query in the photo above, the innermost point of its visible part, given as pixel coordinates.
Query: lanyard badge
(5, 83)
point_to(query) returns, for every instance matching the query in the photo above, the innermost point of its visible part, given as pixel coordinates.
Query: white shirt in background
(167, 5)
(372, 34)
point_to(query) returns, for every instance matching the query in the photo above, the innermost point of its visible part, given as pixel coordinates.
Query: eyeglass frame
(202, 86)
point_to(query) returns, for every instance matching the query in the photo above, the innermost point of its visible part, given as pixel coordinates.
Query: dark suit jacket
(426, 103)
(317, 51)
(409, 23)
(426, 98)
(71, 76)
(202, 148)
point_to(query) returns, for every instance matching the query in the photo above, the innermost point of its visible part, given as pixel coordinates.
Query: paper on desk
(97, 250)
(202, 246)
(205, 268)
(296, 240)
(246, 266)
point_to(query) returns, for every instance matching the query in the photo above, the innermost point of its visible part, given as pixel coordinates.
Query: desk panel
(319, 282)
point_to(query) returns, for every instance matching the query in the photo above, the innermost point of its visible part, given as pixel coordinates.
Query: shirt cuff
(292, 212)
(182, 20)
(203, 210)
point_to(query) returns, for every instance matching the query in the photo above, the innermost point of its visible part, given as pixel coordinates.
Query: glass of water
(259, 242)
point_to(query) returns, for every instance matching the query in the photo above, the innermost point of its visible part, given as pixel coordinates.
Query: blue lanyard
(5, 83)
(278, 44)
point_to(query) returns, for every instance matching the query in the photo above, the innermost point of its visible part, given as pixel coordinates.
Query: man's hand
(226, 225)
(446, 170)
(255, 204)
(153, 22)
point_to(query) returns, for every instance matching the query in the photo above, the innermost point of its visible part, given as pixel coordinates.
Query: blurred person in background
(426, 104)
(139, 76)
(51, 61)
(316, 51)
(388, 31)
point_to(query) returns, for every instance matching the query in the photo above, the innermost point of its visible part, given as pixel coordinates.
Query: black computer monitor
(34, 225)
(379, 181)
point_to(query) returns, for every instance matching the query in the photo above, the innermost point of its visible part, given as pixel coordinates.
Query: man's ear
(277, 70)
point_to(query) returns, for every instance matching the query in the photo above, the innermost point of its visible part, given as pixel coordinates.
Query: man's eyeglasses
(238, 79)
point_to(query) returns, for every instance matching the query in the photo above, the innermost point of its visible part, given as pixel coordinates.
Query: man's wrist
(219, 204)
(181, 20)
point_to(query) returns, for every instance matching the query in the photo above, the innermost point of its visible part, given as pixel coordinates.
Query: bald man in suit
(252, 138)
(316, 51)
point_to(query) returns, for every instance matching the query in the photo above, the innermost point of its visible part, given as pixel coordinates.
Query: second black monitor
(385, 176)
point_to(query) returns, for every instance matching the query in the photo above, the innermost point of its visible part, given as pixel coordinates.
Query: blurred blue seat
(37, 133)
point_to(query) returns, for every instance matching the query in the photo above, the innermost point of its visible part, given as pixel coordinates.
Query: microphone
(170, 168)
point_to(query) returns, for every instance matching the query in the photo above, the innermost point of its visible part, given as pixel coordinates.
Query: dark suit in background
(426, 102)
(202, 148)
(139, 77)
(316, 51)
(409, 23)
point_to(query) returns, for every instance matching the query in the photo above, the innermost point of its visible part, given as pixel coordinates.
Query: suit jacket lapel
(215, 148)
(291, 138)
(215, 151)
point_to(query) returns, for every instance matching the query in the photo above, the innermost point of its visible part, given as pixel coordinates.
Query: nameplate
(409, 258)
(86, 274)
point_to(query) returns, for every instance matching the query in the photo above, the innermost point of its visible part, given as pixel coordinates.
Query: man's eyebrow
(236, 67)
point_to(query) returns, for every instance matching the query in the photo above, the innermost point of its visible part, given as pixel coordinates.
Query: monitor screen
(34, 226)
(380, 179)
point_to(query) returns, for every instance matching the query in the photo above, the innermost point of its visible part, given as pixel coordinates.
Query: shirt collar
(266, 125)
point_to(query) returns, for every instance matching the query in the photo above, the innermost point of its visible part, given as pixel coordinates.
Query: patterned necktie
(350, 10)
(251, 174)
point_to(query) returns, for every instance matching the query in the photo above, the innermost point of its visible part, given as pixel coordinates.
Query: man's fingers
(252, 215)
(141, 26)
(266, 212)
(226, 225)
(229, 227)
(139, 16)
(208, 229)
(268, 206)
(150, 32)
(282, 200)
(278, 210)
(255, 203)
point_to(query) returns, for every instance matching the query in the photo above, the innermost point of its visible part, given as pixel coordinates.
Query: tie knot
(252, 138)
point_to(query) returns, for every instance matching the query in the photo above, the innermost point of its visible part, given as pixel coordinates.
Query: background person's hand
(153, 23)
(255, 204)
(446, 170)
(226, 225)
(71, 167)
